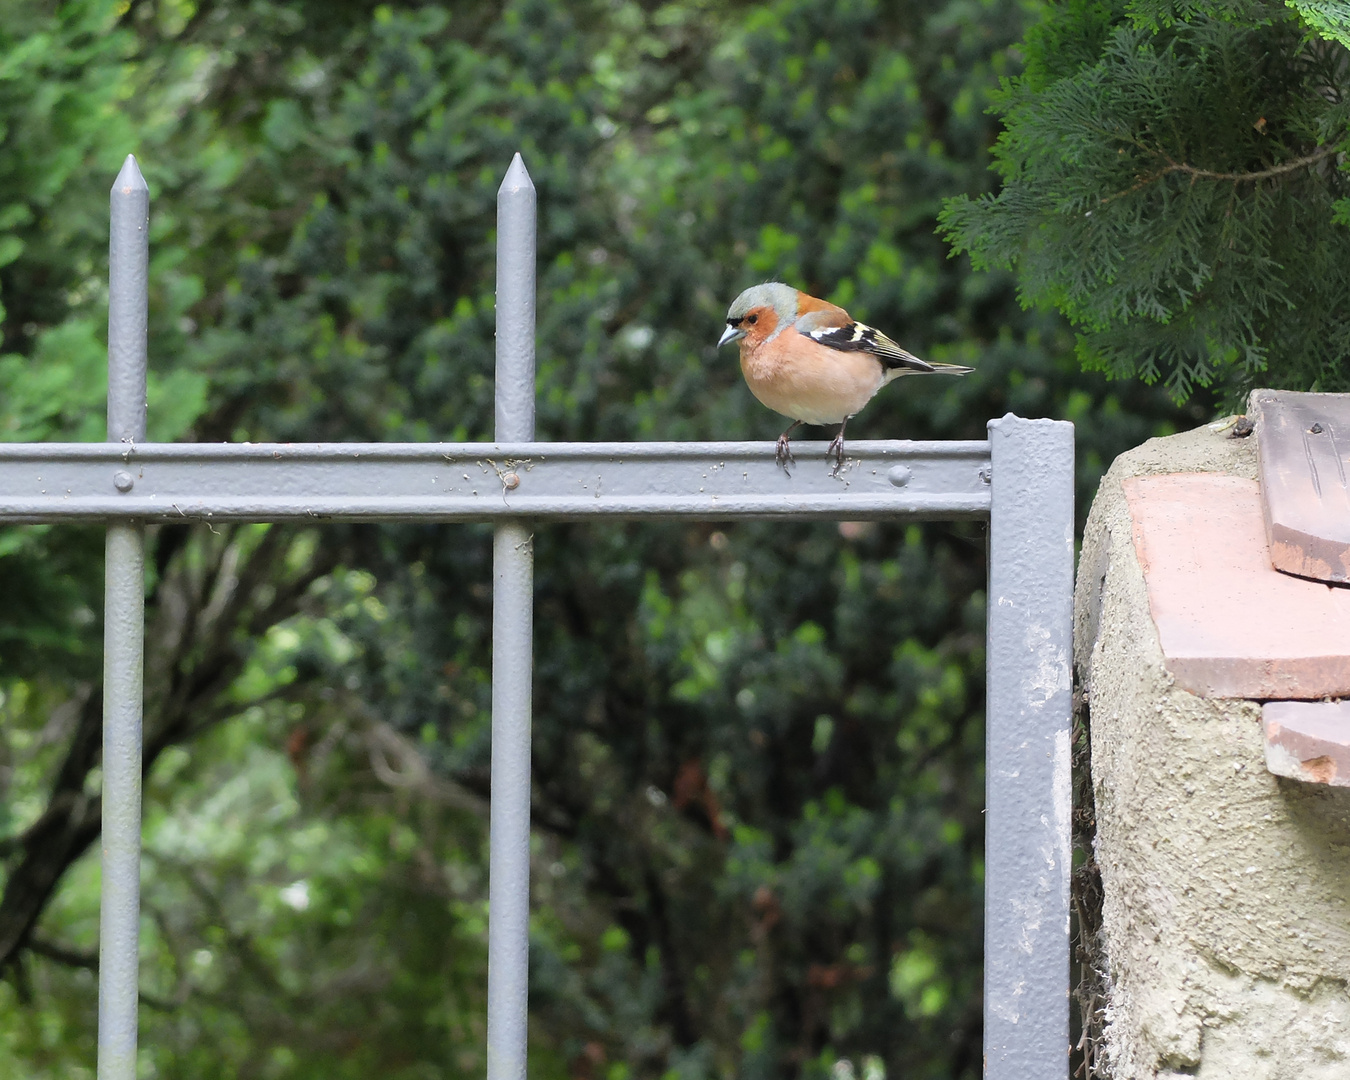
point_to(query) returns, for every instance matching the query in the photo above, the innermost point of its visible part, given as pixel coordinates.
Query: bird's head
(760, 312)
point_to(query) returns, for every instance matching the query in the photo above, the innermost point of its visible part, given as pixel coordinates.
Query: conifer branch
(1264, 174)
(1196, 173)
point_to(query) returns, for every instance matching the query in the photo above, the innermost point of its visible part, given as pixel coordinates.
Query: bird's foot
(836, 450)
(783, 456)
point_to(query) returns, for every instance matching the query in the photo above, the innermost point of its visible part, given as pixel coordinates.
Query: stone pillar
(1221, 934)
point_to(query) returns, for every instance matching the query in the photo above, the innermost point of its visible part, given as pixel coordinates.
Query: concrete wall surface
(1224, 941)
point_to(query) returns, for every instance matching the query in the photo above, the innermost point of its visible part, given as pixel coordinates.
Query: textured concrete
(1225, 921)
(1230, 624)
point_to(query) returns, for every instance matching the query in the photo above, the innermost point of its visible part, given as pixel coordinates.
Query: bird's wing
(848, 335)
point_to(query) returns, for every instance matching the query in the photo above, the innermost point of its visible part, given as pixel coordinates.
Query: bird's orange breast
(805, 380)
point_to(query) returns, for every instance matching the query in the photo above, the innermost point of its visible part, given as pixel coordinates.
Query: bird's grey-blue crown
(782, 298)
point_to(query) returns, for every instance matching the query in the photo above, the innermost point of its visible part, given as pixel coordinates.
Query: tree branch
(63, 955)
(87, 961)
(1235, 178)
(1264, 174)
(193, 656)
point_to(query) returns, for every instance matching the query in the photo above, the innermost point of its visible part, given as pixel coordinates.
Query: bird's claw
(836, 449)
(783, 456)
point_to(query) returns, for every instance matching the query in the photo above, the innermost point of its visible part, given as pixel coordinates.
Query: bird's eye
(752, 319)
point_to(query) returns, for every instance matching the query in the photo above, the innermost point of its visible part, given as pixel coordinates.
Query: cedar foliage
(1174, 184)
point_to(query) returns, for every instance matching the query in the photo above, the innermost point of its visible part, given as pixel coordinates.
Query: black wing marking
(859, 337)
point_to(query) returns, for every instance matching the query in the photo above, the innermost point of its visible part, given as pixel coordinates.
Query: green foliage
(758, 749)
(1172, 185)
(1326, 18)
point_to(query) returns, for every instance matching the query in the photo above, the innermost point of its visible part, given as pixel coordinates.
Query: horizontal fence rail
(477, 481)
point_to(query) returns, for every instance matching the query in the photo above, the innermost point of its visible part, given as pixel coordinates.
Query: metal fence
(1021, 480)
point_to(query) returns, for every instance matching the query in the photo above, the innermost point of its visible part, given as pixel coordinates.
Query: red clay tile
(1308, 740)
(1230, 624)
(1303, 449)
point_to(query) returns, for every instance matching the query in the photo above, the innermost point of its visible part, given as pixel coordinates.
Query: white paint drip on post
(123, 637)
(512, 645)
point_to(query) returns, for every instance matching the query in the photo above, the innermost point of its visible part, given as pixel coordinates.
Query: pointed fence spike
(129, 179)
(517, 207)
(128, 288)
(517, 177)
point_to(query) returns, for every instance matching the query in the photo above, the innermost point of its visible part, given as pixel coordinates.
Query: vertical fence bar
(123, 638)
(1028, 794)
(512, 645)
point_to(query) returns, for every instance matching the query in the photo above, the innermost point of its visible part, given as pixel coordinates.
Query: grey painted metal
(119, 907)
(512, 637)
(123, 641)
(516, 227)
(478, 481)
(1027, 753)
(128, 275)
(509, 815)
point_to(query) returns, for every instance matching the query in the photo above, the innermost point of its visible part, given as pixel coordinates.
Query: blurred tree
(758, 749)
(1174, 183)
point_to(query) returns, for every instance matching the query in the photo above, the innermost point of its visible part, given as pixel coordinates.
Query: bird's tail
(930, 367)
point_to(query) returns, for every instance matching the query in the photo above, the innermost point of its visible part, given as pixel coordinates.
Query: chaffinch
(807, 359)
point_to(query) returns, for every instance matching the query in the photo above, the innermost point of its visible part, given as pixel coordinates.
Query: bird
(813, 362)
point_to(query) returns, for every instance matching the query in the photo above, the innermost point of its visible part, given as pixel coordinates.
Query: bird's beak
(731, 333)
